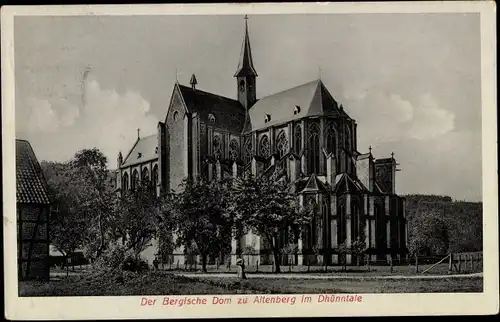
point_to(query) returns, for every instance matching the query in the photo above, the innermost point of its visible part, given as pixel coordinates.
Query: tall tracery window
(348, 139)
(248, 149)
(233, 149)
(135, 180)
(154, 183)
(313, 149)
(125, 182)
(341, 222)
(217, 147)
(298, 139)
(264, 149)
(331, 139)
(282, 144)
(145, 175)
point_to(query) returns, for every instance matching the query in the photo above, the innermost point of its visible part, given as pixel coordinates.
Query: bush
(118, 257)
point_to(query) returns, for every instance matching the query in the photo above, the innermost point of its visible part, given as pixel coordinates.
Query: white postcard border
(373, 304)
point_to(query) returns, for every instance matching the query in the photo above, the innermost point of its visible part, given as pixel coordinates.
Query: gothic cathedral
(302, 132)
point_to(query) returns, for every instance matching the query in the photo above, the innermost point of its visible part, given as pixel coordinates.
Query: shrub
(118, 257)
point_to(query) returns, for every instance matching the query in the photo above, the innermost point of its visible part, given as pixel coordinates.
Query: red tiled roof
(31, 186)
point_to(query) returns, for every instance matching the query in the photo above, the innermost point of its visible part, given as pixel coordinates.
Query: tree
(358, 248)
(136, 217)
(95, 198)
(199, 214)
(343, 250)
(66, 227)
(428, 234)
(267, 206)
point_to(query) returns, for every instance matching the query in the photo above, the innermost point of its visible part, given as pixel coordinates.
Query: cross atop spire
(245, 65)
(370, 148)
(138, 134)
(392, 155)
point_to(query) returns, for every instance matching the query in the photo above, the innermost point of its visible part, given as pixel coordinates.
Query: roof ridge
(293, 88)
(205, 92)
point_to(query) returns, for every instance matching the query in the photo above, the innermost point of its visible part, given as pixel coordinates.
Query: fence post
(459, 263)
(416, 262)
(369, 263)
(450, 263)
(257, 269)
(390, 262)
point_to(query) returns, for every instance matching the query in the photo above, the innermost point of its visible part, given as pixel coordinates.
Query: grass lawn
(163, 283)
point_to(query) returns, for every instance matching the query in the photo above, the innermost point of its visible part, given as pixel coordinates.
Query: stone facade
(304, 134)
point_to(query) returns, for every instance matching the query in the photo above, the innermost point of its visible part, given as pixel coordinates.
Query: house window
(313, 149)
(233, 149)
(298, 139)
(264, 148)
(217, 147)
(282, 144)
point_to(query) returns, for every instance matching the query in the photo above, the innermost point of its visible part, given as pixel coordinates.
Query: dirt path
(328, 277)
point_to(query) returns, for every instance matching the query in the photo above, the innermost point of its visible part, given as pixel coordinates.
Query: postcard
(249, 160)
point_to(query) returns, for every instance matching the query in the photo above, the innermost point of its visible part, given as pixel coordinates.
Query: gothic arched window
(125, 182)
(145, 176)
(340, 222)
(348, 139)
(233, 149)
(282, 144)
(155, 176)
(313, 149)
(264, 148)
(331, 140)
(248, 149)
(298, 139)
(135, 180)
(217, 147)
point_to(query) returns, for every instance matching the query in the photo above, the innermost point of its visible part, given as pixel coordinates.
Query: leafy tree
(428, 234)
(199, 214)
(66, 227)
(343, 250)
(136, 217)
(267, 206)
(358, 248)
(95, 198)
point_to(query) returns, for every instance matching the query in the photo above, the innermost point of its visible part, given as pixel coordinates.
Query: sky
(411, 81)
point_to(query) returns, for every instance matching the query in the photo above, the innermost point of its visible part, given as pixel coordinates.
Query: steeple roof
(245, 64)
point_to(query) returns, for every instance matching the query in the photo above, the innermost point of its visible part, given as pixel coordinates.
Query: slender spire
(138, 134)
(245, 65)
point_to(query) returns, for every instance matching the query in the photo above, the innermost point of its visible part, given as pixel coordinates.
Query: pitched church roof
(143, 150)
(229, 112)
(344, 183)
(309, 99)
(31, 186)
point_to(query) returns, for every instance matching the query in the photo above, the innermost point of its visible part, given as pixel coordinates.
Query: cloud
(385, 117)
(430, 120)
(43, 116)
(110, 120)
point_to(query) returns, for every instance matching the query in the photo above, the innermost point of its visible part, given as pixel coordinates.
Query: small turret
(119, 160)
(193, 82)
